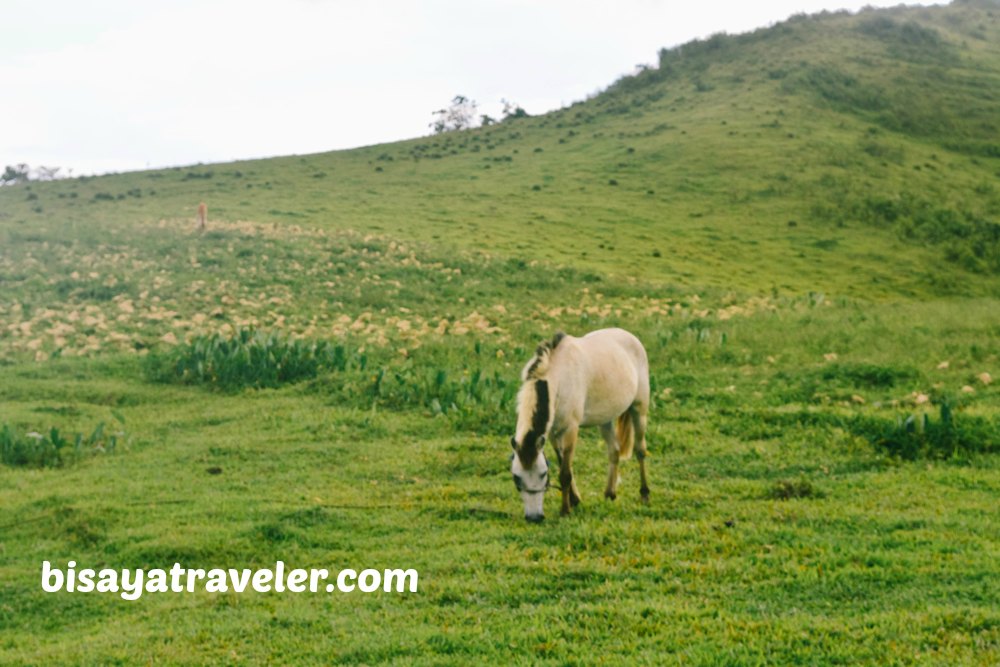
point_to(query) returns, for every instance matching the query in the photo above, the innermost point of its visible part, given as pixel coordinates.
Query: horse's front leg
(567, 444)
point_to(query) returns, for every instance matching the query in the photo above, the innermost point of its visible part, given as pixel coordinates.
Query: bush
(51, 450)
(908, 40)
(469, 386)
(920, 436)
(476, 399)
(786, 489)
(839, 88)
(868, 375)
(842, 379)
(249, 358)
(914, 436)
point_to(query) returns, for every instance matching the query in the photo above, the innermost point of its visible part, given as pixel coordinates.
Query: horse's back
(618, 371)
(619, 345)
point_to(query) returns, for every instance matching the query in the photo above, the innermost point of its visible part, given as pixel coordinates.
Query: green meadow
(801, 225)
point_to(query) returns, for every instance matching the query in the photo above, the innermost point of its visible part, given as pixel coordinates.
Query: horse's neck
(569, 384)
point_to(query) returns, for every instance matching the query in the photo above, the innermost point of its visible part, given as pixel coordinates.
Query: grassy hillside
(847, 154)
(800, 224)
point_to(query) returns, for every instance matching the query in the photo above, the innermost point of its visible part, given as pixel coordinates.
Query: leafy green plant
(786, 489)
(476, 398)
(921, 436)
(51, 449)
(867, 375)
(913, 436)
(249, 358)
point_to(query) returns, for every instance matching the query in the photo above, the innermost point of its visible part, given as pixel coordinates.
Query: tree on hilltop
(15, 174)
(512, 110)
(18, 173)
(460, 115)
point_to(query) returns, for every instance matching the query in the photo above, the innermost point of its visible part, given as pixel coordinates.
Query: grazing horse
(601, 379)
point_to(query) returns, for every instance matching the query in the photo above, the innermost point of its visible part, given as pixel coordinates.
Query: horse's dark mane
(535, 373)
(540, 364)
(539, 423)
(540, 419)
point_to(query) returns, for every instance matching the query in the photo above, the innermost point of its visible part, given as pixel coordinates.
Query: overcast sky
(115, 85)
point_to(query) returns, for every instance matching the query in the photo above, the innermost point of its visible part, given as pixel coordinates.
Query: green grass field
(800, 225)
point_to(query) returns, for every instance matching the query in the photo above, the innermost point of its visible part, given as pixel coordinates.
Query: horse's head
(530, 469)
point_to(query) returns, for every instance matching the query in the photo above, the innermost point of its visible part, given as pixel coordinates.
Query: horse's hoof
(610, 495)
(645, 498)
(574, 500)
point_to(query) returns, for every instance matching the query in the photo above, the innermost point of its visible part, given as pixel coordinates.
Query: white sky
(115, 85)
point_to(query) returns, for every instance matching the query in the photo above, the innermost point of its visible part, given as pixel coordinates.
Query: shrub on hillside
(787, 489)
(51, 449)
(908, 39)
(469, 386)
(922, 436)
(914, 436)
(249, 358)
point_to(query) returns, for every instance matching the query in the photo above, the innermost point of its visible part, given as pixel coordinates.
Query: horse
(600, 379)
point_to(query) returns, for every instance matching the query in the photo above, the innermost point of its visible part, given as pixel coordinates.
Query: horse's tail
(625, 430)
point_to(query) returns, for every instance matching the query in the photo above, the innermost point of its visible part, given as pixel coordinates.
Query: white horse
(601, 379)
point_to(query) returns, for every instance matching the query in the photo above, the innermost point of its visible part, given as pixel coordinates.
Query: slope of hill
(850, 154)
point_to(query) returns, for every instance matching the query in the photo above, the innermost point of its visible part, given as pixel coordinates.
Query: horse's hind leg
(639, 424)
(611, 440)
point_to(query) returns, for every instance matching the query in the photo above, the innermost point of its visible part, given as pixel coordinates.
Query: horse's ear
(513, 443)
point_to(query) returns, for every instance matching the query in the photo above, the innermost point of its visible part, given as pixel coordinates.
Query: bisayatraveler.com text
(132, 584)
